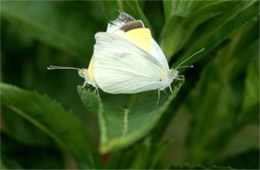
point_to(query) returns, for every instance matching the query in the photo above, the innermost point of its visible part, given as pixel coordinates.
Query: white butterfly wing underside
(122, 67)
(159, 55)
(121, 20)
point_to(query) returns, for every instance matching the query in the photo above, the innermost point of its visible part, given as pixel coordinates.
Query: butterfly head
(83, 73)
(173, 74)
(88, 77)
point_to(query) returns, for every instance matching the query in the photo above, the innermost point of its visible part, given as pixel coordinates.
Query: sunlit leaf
(121, 127)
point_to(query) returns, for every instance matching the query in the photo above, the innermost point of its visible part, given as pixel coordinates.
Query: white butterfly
(127, 60)
(131, 62)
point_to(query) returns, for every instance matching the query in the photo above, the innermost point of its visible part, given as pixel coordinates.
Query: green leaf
(55, 23)
(219, 28)
(187, 166)
(183, 8)
(252, 85)
(90, 100)
(51, 118)
(216, 102)
(120, 127)
(8, 163)
(243, 140)
(251, 103)
(176, 8)
(246, 160)
(157, 153)
(146, 154)
(142, 155)
(180, 27)
(129, 6)
(22, 130)
(111, 9)
(207, 25)
(12, 154)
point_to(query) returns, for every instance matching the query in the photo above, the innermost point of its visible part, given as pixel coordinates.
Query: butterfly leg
(170, 87)
(84, 84)
(158, 99)
(180, 77)
(97, 92)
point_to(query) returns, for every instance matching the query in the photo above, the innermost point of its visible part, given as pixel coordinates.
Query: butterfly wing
(134, 31)
(142, 38)
(159, 55)
(122, 67)
(121, 20)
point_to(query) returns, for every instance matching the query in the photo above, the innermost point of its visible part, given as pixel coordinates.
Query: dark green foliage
(247, 160)
(49, 117)
(16, 155)
(214, 124)
(199, 167)
(56, 23)
(210, 121)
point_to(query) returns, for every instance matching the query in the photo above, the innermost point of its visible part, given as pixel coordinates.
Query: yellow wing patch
(90, 69)
(141, 37)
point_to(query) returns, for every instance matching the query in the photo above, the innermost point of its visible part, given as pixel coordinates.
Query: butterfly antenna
(61, 68)
(191, 66)
(178, 66)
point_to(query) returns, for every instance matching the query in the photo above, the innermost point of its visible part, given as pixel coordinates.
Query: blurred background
(213, 121)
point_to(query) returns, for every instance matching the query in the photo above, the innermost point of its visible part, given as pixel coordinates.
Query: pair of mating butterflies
(127, 60)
